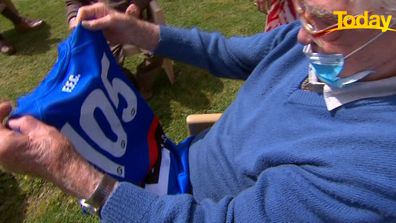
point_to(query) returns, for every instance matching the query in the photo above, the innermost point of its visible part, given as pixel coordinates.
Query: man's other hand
(29, 146)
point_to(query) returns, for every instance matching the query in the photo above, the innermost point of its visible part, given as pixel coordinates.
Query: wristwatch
(93, 204)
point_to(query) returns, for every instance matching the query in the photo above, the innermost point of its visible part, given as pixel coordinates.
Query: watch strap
(100, 195)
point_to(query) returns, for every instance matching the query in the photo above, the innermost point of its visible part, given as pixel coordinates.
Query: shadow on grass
(31, 43)
(192, 89)
(12, 200)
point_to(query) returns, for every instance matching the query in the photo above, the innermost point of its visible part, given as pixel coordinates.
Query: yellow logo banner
(364, 21)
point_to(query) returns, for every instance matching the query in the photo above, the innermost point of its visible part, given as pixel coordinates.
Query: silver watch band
(99, 197)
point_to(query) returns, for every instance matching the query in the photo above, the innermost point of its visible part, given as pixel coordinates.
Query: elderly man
(310, 137)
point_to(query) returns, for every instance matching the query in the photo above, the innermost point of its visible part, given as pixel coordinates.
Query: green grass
(26, 199)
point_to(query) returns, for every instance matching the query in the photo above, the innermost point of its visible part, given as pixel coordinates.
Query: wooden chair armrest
(199, 122)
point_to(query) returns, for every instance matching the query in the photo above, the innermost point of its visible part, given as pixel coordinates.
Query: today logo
(364, 21)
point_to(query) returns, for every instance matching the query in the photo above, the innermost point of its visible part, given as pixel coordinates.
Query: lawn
(26, 199)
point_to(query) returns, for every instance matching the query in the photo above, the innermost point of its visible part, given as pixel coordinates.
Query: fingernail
(85, 24)
(11, 125)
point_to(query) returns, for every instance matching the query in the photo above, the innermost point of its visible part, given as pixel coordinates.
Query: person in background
(150, 66)
(130, 7)
(310, 136)
(133, 8)
(22, 24)
(279, 12)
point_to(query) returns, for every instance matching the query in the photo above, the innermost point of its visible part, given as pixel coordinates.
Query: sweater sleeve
(234, 57)
(282, 194)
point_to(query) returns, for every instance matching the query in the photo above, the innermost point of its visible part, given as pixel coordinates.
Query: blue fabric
(89, 99)
(181, 166)
(276, 154)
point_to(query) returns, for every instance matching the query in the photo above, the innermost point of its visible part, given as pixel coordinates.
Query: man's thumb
(25, 124)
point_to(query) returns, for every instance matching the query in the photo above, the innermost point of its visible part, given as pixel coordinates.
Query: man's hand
(132, 10)
(32, 147)
(119, 27)
(11, 144)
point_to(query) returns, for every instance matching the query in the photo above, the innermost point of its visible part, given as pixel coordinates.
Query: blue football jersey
(89, 99)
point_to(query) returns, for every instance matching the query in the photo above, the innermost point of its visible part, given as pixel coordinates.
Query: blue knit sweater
(277, 154)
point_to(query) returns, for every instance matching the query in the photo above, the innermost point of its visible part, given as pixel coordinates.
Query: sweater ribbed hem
(128, 203)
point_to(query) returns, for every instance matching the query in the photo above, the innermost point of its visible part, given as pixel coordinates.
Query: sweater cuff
(169, 37)
(127, 203)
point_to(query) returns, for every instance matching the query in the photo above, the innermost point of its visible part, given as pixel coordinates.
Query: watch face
(87, 208)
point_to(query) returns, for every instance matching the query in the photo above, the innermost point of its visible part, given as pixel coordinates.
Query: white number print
(118, 87)
(91, 154)
(97, 100)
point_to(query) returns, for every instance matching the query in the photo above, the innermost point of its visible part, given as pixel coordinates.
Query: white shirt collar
(336, 97)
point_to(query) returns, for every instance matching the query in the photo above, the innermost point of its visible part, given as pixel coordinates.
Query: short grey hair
(383, 7)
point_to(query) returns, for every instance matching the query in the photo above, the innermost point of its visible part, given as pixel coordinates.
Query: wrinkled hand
(14, 146)
(32, 147)
(263, 5)
(119, 27)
